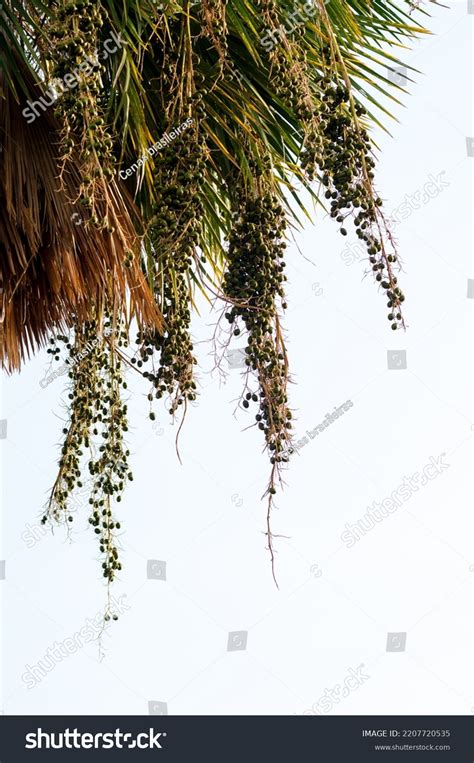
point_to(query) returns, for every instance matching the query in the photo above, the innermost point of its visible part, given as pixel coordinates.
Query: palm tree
(149, 149)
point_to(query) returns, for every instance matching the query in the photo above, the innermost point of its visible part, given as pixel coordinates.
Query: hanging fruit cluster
(289, 74)
(213, 16)
(97, 423)
(75, 34)
(175, 230)
(109, 469)
(174, 236)
(284, 53)
(254, 286)
(86, 360)
(347, 173)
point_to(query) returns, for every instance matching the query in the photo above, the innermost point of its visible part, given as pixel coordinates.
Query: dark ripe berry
(343, 232)
(245, 403)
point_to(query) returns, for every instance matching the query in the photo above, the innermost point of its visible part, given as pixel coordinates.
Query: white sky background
(412, 573)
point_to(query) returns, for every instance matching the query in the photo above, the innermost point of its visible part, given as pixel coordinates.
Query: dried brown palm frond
(55, 265)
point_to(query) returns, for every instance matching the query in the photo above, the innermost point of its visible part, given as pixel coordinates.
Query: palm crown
(148, 149)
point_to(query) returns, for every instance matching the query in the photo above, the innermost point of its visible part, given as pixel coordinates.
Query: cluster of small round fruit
(75, 33)
(212, 14)
(96, 411)
(347, 167)
(254, 286)
(110, 470)
(175, 234)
